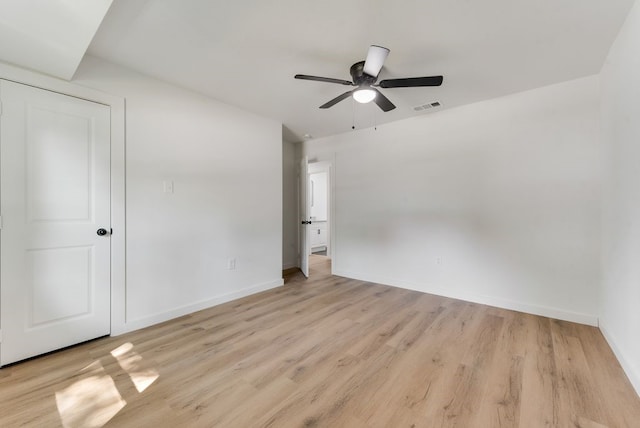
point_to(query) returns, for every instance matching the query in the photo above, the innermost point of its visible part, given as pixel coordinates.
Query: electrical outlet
(231, 264)
(167, 186)
(439, 260)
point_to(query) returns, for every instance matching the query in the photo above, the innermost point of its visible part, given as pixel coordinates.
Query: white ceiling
(246, 52)
(49, 36)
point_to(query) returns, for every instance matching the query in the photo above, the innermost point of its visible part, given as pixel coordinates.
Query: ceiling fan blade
(375, 60)
(382, 101)
(324, 79)
(411, 82)
(336, 100)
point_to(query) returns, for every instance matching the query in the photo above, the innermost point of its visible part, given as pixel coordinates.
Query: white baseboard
(194, 307)
(633, 373)
(545, 311)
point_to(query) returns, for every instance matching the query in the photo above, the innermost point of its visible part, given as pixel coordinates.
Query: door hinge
(0, 336)
(0, 222)
(0, 107)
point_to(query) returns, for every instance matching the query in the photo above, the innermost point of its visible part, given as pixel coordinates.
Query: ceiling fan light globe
(364, 95)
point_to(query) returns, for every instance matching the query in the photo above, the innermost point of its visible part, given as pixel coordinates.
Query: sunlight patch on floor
(131, 362)
(91, 401)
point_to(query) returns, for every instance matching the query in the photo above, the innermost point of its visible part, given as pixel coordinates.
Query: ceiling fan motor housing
(360, 78)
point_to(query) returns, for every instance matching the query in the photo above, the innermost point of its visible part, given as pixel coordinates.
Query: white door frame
(118, 239)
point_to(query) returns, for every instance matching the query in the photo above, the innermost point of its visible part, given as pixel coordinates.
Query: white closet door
(54, 197)
(305, 239)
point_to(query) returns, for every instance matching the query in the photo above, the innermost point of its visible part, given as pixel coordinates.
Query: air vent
(427, 106)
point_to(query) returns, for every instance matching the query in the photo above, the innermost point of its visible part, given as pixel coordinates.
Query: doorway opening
(315, 208)
(319, 210)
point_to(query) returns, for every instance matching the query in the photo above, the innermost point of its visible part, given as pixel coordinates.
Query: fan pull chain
(353, 113)
(375, 119)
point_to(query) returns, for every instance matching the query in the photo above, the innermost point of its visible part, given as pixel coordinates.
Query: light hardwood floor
(330, 352)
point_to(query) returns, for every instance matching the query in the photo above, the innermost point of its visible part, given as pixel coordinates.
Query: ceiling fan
(364, 75)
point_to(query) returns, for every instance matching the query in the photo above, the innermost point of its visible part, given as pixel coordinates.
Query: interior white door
(305, 241)
(55, 282)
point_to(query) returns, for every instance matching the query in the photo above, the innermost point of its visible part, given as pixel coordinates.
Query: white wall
(226, 167)
(290, 166)
(620, 317)
(496, 202)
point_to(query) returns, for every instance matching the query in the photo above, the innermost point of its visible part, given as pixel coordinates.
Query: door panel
(58, 166)
(54, 194)
(51, 270)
